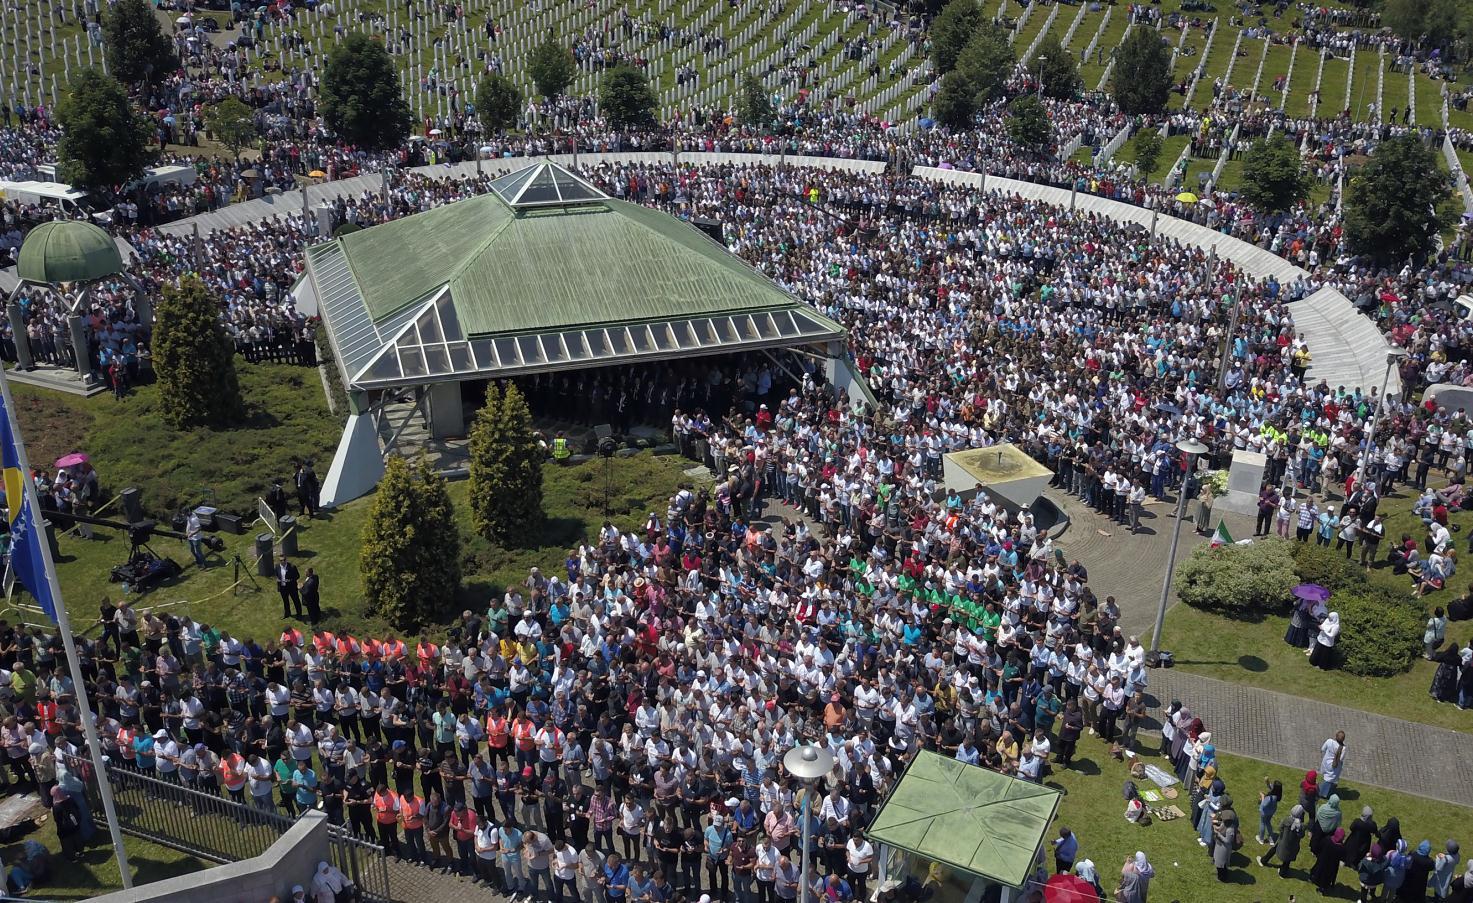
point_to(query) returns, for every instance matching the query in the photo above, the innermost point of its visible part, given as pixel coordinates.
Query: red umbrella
(1069, 889)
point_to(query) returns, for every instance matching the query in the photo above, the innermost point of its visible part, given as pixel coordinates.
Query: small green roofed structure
(68, 251)
(968, 818)
(542, 274)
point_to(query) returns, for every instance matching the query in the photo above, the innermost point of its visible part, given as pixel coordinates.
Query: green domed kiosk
(68, 251)
(65, 259)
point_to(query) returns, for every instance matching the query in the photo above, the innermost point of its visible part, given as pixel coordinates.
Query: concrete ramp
(1346, 348)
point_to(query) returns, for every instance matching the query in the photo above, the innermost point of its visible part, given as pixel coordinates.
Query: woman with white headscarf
(1323, 654)
(330, 885)
(1135, 879)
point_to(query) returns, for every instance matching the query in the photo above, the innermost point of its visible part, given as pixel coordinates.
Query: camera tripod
(241, 567)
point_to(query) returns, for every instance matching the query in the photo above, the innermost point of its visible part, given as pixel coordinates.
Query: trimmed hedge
(1380, 628)
(1322, 565)
(1380, 633)
(1237, 581)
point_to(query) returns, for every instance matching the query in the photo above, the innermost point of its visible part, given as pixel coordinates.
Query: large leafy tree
(625, 97)
(987, 61)
(193, 358)
(138, 52)
(1055, 66)
(551, 67)
(1442, 23)
(410, 548)
(1273, 176)
(360, 93)
(232, 123)
(951, 31)
(1397, 204)
(1028, 124)
(498, 100)
(955, 103)
(104, 140)
(505, 469)
(1141, 79)
(754, 106)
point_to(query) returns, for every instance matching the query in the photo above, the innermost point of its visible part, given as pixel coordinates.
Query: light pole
(807, 763)
(1193, 449)
(1393, 354)
(1041, 61)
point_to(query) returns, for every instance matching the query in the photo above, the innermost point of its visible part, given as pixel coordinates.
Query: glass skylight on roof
(544, 185)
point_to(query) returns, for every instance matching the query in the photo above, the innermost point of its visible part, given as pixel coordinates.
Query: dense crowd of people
(649, 689)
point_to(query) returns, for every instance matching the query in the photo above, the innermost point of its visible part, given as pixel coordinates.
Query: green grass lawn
(1460, 119)
(1395, 92)
(573, 498)
(1306, 66)
(1231, 178)
(1332, 88)
(1277, 64)
(1110, 38)
(1363, 91)
(131, 445)
(1171, 148)
(97, 873)
(1254, 652)
(1094, 810)
(1429, 100)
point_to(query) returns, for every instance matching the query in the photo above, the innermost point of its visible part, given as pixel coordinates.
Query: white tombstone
(1244, 479)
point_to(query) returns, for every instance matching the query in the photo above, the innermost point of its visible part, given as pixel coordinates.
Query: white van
(71, 202)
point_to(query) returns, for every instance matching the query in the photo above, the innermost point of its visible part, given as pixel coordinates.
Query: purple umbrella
(1311, 592)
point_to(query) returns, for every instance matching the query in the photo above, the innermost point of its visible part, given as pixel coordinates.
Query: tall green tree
(625, 97)
(1057, 69)
(498, 101)
(1147, 146)
(955, 102)
(551, 66)
(951, 30)
(987, 61)
(193, 358)
(1141, 79)
(138, 51)
(104, 140)
(505, 469)
(361, 100)
(1442, 23)
(1028, 124)
(1397, 204)
(754, 105)
(232, 123)
(410, 547)
(1273, 175)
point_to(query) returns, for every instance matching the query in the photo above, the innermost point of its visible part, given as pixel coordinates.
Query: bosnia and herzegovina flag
(26, 533)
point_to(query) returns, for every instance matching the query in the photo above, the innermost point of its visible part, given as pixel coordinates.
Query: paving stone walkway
(1263, 724)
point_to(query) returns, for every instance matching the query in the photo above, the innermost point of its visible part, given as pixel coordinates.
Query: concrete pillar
(444, 412)
(78, 329)
(22, 343)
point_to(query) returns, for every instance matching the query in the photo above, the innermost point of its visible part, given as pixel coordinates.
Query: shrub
(1380, 633)
(410, 555)
(1318, 564)
(1237, 580)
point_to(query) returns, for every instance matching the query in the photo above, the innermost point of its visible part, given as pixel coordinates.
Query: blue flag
(27, 561)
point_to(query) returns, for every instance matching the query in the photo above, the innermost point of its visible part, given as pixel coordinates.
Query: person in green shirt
(991, 620)
(284, 771)
(23, 683)
(209, 639)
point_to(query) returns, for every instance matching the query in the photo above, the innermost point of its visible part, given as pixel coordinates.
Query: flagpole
(63, 623)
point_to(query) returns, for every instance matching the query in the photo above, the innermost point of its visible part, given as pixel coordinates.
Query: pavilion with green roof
(985, 826)
(544, 273)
